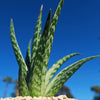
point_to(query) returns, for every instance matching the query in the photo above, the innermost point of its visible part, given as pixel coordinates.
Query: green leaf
(28, 56)
(28, 61)
(22, 65)
(64, 75)
(22, 85)
(51, 33)
(36, 38)
(43, 46)
(36, 77)
(17, 51)
(53, 69)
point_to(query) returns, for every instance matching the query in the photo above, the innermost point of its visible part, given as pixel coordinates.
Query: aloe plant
(34, 78)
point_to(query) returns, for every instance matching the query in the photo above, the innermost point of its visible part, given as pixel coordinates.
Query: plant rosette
(34, 79)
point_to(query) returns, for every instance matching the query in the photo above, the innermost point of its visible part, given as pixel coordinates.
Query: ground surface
(61, 97)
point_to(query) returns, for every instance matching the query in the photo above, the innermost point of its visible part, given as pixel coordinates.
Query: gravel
(61, 97)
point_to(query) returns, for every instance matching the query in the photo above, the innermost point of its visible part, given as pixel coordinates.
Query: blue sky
(77, 30)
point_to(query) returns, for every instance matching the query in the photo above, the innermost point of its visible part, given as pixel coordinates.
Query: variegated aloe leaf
(43, 48)
(28, 61)
(64, 75)
(22, 84)
(53, 69)
(37, 36)
(49, 44)
(28, 56)
(16, 48)
(51, 33)
(17, 51)
(22, 65)
(36, 77)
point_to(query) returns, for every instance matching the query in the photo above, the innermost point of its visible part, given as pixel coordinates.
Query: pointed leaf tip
(41, 8)
(11, 20)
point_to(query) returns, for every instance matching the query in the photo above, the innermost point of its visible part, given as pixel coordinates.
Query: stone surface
(61, 97)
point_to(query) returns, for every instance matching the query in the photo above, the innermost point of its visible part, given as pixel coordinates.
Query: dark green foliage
(96, 89)
(8, 80)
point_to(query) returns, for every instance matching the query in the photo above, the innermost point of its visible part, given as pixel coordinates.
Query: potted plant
(34, 78)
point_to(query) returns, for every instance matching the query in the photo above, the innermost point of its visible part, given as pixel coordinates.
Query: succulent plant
(34, 78)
